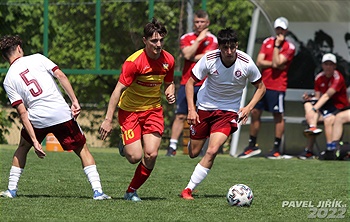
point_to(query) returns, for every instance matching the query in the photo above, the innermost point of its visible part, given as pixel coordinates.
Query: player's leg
(71, 137)
(151, 126)
(180, 117)
(18, 164)
(219, 132)
(176, 131)
(328, 130)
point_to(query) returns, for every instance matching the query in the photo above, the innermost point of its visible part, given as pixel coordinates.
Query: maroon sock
(140, 177)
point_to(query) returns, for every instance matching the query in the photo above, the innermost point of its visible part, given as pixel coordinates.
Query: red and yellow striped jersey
(144, 77)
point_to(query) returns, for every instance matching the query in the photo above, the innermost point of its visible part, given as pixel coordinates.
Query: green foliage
(56, 189)
(72, 38)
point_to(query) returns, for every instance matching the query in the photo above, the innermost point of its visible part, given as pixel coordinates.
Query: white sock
(93, 177)
(15, 174)
(198, 176)
(173, 143)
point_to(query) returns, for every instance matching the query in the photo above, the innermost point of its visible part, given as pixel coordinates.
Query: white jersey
(223, 88)
(30, 80)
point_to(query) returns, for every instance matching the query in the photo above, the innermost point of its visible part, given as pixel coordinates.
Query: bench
(292, 95)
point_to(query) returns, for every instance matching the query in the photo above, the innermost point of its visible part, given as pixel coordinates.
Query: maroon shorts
(212, 122)
(135, 124)
(68, 134)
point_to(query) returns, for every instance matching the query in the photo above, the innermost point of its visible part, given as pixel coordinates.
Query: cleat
(8, 193)
(101, 196)
(307, 154)
(249, 152)
(274, 155)
(132, 196)
(121, 148)
(312, 131)
(170, 152)
(187, 194)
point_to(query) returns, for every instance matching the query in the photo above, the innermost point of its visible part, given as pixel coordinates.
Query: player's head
(153, 37)
(9, 45)
(329, 64)
(281, 25)
(228, 43)
(200, 21)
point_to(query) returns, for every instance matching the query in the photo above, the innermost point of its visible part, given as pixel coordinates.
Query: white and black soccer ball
(240, 195)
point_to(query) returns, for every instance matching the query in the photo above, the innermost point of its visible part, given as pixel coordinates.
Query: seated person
(338, 151)
(329, 98)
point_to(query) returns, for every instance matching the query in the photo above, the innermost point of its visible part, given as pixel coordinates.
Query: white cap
(329, 57)
(281, 22)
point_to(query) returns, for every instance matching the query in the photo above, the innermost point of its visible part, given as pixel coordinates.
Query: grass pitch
(56, 189)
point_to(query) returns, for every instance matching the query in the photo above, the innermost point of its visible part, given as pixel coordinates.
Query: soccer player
(193, 46)
(330, 99)
(32, 90)
(226, 71)
(140, 114)
(274, 59)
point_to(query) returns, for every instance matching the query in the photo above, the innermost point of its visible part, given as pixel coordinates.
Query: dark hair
(321, 36)
(201, 14)
(152, 27)
(347, 36)
(8, 45)
(227, 35)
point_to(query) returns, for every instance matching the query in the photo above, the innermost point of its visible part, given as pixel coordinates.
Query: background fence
(90, 40)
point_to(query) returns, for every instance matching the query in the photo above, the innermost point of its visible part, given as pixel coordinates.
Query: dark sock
(277, 143)
(252, 141)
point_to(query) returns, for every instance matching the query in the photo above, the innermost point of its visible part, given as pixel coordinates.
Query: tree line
(72, 40)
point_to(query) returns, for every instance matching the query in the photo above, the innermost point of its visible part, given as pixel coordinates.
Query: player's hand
(202, 35)
(192, 118)
(279, 39)
(105, 129)
(170, 98)
(243, 115)
(75, 109)
(39, 150)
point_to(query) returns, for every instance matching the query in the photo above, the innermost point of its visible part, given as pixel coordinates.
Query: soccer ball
(240, 195)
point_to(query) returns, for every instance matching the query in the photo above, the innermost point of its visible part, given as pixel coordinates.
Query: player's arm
(324, 98)
(106, 126)
(62, 78)
(169, 91)
(23, 114)
(262, 63)
(259, 93)
(278, 60)
(189, 52)
(192, 116)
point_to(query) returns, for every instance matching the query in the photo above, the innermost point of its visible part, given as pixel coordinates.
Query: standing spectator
(274, 59)
(330, 97)
(42, 109)
(226, 70)
(140, 113)
(193, 46)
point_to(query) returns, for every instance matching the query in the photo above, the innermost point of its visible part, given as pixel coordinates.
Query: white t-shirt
(223, 88)
(30, 80)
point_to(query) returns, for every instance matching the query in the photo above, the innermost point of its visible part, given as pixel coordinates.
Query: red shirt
(207, 44)
(276, 79)
(144, 77)
(337, 82)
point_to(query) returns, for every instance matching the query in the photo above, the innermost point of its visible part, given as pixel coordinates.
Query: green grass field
(56, 189)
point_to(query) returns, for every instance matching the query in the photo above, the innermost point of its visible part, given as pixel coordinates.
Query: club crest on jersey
(238, 73)
(166, 66)
(206, 43)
